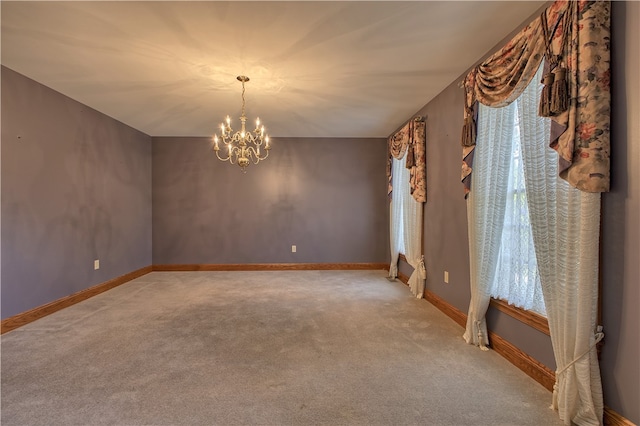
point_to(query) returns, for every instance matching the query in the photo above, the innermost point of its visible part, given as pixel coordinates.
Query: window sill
(530, 318)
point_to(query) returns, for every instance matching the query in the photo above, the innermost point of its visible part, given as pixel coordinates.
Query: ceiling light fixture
(243, 147)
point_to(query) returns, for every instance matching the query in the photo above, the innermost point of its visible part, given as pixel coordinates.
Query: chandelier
(242, 147)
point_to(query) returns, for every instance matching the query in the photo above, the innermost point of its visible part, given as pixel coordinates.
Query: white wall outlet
(446, 277)
(293, 249)
(96, 264)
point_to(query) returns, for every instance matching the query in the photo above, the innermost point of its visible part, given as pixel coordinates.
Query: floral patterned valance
(411, 140)
(574, 37)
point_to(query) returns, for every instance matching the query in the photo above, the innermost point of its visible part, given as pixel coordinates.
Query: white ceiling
(317, 69)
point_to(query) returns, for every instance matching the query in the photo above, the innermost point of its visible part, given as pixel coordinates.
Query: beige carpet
(259, 348)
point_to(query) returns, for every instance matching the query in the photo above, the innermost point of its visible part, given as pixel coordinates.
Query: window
(399, 196)
(503, 135)
(406, 226)
(517, 280)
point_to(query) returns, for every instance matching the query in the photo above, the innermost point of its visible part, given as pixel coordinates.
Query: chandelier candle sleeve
(243, 147)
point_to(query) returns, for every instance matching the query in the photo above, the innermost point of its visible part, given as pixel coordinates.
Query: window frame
(529, 318)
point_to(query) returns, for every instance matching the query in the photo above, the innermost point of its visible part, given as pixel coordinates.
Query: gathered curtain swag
(410, 137)
(574, 36)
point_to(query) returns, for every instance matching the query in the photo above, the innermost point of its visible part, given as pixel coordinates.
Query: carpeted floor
(259, 348)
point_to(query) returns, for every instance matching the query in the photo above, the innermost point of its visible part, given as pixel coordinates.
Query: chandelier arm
(256, 137)
(221, 158)
(255, 140)
(253, 153)
(232, 156)
(236, 153)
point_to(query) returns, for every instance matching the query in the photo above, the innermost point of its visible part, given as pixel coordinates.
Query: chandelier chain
(243, 98)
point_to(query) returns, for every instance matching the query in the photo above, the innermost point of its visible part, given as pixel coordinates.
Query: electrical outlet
(96, 264)
(293, 249)
(446, 277)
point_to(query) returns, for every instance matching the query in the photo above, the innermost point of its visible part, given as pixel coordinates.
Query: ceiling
(317, 69)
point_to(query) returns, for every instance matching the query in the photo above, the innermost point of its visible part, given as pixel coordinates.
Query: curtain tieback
(480, 336)
(422, 269)
(393, 270)
(598, 336)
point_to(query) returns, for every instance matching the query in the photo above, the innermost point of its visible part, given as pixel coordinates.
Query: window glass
(517, 280)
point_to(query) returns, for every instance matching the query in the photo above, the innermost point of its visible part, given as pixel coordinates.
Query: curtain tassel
(422, 268)
(481, 337)
(554, 398)
(393, 271)
(469, 131)
(559, 92)
(544, 109)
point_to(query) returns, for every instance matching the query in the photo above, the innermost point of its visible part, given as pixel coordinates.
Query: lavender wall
(326, 196)
(445, 225)
(76, 186)
(620, 357)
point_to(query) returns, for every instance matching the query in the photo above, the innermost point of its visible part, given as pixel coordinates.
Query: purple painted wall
(326, 196)
(445, 225)
(76, 186)
(620, 356)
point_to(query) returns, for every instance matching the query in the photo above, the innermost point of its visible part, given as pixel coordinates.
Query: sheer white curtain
(400, 180)
(485, 212)
(566, 229)
(406, 227)
(517, 280)
(412, 235)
